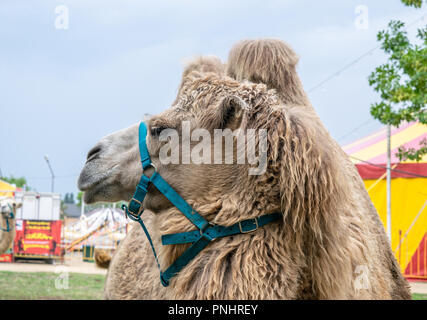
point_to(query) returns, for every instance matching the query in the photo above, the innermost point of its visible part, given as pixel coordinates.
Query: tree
(20, 182)
(402, 80)
(413, 3)
(69, 198)
(79, 198)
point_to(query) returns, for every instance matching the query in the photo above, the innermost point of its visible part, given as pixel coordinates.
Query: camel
(102, 258)
(329, 242)
(8, 208)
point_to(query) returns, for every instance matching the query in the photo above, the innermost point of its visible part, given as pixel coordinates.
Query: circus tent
(408, 191)
(5, 187)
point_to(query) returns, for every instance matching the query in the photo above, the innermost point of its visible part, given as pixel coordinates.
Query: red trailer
(38, 226)
(37, 239)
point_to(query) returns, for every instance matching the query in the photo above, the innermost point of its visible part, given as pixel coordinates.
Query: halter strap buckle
(140, 210)
(250, 230)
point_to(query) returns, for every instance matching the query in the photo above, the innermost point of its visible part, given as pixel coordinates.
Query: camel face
(7, 205)
(112, 167)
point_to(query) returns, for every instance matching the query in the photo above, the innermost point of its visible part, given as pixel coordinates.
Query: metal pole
(51, 172)
(400, 239)
(389, 181)
(83, 206)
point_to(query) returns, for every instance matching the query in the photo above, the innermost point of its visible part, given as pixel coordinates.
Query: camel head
(270, 166)
(113, 167)
(8, 206)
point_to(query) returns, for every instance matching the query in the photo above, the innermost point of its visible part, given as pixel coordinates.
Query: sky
(61, 90)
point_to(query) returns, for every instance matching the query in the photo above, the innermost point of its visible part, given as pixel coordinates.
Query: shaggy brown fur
(102, 258)
(133, 271)
(329, 225)
(271, 62)
(6, 238)
(249, 59)
(203, 64)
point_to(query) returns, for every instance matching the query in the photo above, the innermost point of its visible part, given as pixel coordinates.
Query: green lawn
(41, 286)
(419, 296)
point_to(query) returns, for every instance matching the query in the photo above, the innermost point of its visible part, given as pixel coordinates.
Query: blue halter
(199, 238)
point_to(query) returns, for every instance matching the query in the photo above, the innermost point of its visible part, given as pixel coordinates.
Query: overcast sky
(61, 90)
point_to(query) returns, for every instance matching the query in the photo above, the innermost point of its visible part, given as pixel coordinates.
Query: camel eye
(156, 131)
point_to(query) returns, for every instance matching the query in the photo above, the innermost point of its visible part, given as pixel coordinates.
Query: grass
(419, 296)
(41, 286)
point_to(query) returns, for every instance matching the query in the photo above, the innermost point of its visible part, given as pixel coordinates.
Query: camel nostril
(93, 153)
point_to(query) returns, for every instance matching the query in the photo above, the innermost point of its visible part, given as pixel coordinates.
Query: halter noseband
(199, 238)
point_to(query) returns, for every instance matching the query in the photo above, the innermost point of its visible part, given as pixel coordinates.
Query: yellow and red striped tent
(408, 191)
(6, 189)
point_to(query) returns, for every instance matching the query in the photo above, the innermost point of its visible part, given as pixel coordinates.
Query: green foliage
(69, 197)
(79, 198)
(413, 3)
(402, 80)
(20, 182)
(412, 153)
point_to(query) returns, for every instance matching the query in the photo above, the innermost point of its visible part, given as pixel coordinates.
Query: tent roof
(370, 153)
(6, 186)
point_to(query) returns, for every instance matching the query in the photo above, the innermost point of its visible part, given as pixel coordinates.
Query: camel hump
(102, 258)
(204, 64)
(201, 65)
(269, 61)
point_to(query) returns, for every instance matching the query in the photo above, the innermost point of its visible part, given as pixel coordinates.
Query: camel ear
(230, 113)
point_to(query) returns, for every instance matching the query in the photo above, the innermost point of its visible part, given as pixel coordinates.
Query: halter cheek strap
(199, 238)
